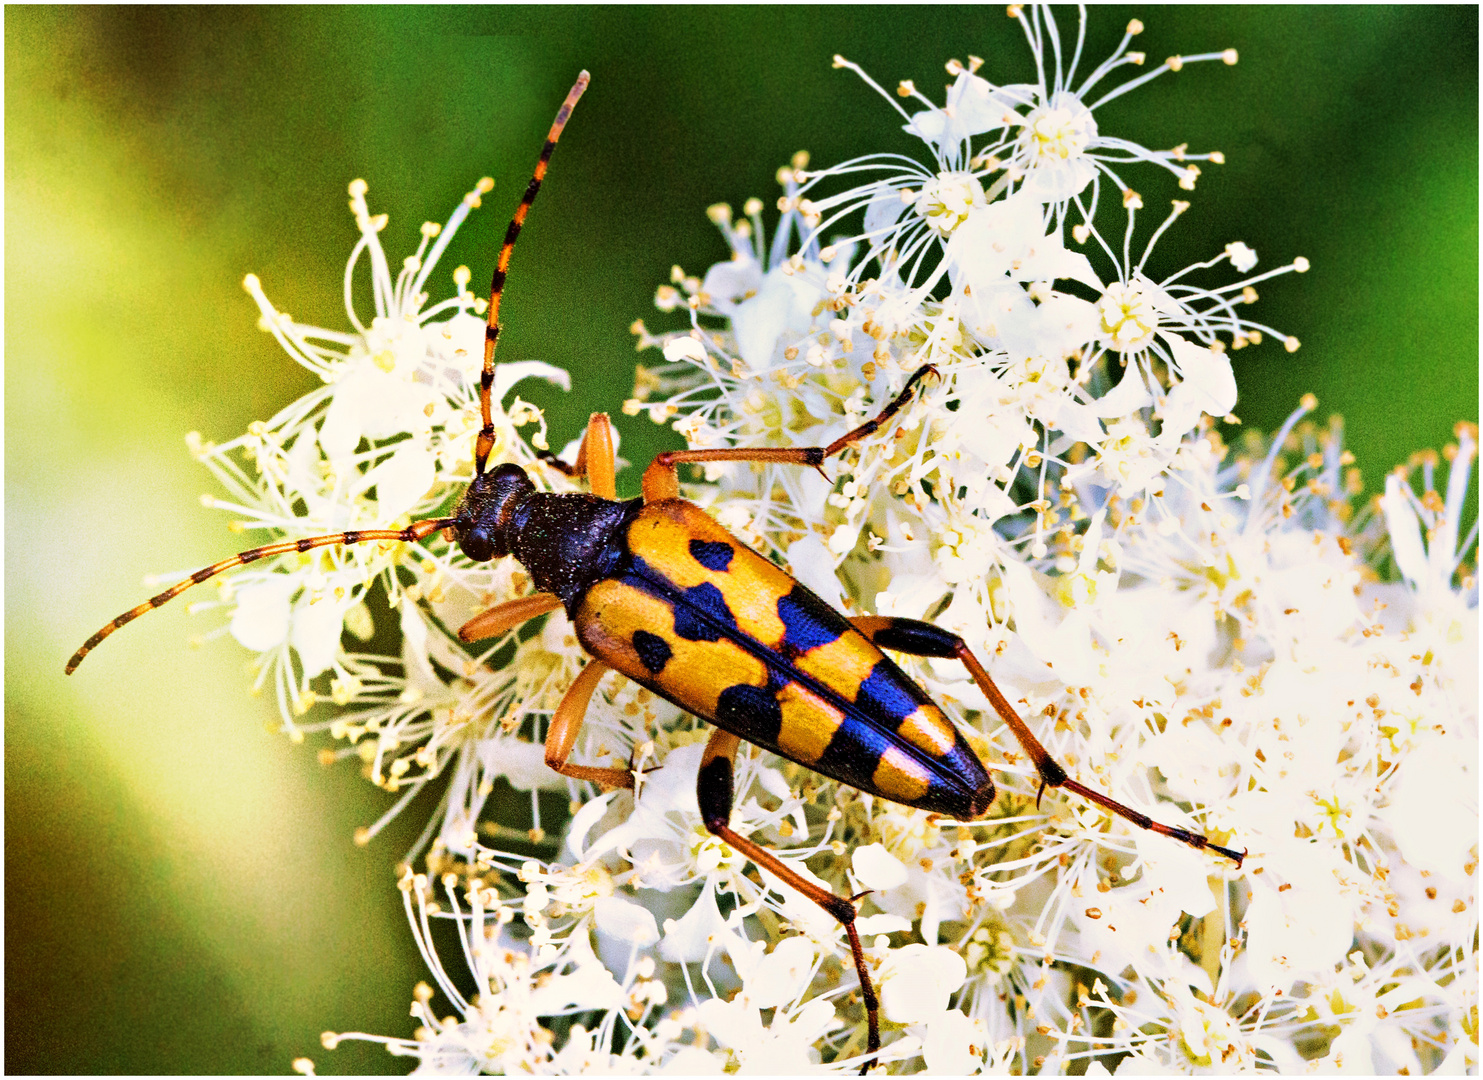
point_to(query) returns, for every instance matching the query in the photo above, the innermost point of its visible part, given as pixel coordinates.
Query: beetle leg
(713, 791)
(561, 736)
(661, 480)
(596, 459)
(923, 639)
(502, 617)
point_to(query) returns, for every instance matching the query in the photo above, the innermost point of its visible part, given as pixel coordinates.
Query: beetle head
(483, 517)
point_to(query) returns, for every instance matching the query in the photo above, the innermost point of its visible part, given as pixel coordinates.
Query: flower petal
(698, 933)
(782, 974)
(1205, 371)
(1404, 529)
(401, 480)
(813, 565)
(877, 868)
(784, 303)
(260, 620)
(317, 626)
(625, 920)
(918, 980)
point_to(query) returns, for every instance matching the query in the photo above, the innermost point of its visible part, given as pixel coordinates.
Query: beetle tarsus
(1237, 857)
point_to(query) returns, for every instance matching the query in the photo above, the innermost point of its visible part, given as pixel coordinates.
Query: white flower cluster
(389, 438)
(1204, 632)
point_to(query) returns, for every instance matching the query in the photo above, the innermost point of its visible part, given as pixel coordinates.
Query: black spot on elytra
(690, 626)
(713, 555)
(750, 711)
(653, 650)
(702, 614)
(808, 622)
(887, 694)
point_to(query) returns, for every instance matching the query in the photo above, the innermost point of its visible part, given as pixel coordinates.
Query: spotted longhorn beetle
(660, 592)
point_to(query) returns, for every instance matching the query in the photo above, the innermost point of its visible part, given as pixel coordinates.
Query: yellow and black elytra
(661, 593)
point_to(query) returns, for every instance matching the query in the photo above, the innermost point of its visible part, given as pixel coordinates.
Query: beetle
(658, 591)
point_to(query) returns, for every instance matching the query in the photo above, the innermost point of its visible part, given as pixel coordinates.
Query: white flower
(1053, 146)
(1128, 318)
(1043, 135)
(944, 202)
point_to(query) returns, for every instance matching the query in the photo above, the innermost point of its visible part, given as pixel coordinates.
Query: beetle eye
(477, 544)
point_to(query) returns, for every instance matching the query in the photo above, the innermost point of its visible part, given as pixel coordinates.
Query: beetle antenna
(497, 284)
(416, 531)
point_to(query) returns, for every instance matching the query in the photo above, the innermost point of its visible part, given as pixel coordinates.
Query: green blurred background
(181, 891)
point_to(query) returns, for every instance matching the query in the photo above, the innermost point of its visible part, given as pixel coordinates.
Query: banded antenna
(418, 529)
(497, 283)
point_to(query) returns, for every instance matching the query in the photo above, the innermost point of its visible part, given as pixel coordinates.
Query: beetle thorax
(566, 542)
